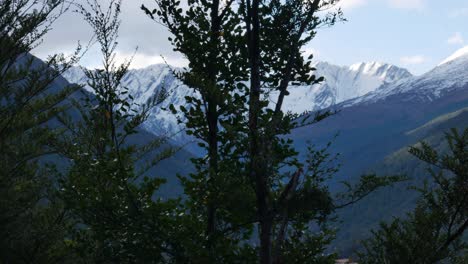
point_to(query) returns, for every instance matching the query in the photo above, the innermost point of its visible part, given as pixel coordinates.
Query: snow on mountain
(451, 74)
(341, 83)
(463, 52)
(143, 84)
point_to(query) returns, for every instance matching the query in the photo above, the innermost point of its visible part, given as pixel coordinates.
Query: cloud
(456, 39)
(460, 12)
(401, 4)
(413, 60)
(407, 4)
(137, 30)
(350, 4)
(141, 60)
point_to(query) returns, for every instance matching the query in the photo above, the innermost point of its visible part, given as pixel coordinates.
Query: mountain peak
(384, 71)
(341, 83)
(463, 52)
(367, 66)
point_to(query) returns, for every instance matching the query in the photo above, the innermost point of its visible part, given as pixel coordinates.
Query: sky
(414, 34)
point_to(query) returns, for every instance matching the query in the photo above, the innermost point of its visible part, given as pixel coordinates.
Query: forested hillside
(283, 159)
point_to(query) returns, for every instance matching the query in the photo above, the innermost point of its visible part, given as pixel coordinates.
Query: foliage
(33, 222)
(219, 205)
(101, 208)
(251, 178)
(117, 217)
(433, 232)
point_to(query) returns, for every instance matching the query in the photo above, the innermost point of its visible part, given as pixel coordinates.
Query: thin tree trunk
(212, 120)
(257, 164)
(265, 241)
(260, 144)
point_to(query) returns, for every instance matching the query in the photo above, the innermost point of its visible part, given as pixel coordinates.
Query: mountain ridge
(341, 83)
(372, 128)
(381, 125)
(428, 86)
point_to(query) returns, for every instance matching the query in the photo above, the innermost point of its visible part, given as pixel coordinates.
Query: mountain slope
(375, 131)
(179, 163)
(383, 109)
(395, 201)
(341, 83)
(449, 75)
(143, 84)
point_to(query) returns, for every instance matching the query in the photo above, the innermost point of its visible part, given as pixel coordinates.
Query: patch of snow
(341, 83)
(463, 52)
(429, 86)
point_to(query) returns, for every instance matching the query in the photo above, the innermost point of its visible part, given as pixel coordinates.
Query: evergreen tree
(117, 217)
(434, 232)
(33, 222)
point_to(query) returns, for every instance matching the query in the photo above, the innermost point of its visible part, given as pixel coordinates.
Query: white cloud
(456, 39)
(140, 60)
(137, 30)
(407, 4)
(413, 60)
(402, 4)
(460, 12)
(350, 4)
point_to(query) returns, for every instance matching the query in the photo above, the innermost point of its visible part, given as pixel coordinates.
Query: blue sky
(415, 34)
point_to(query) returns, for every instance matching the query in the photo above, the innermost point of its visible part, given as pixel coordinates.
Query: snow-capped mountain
(457, 54)
(375, 131)
(143, 84)
(450, 74)
(341, 83)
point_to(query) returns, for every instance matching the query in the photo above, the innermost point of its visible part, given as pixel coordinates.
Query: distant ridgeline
(374, 132)
(383, 109)
(341, 83)
(179, 163)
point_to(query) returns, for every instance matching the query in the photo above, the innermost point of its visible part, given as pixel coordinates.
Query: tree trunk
(212, 120)
(258, 168)
(265, 241)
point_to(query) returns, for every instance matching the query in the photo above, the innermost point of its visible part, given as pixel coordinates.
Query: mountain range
(341, 83)
(375, 131)
(383, 109)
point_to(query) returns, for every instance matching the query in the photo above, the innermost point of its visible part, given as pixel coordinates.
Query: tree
(117, 217)
(434, 231)
(209, 35)
(275, 60)
(33, 222)
(251, 177)
(276, 32)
